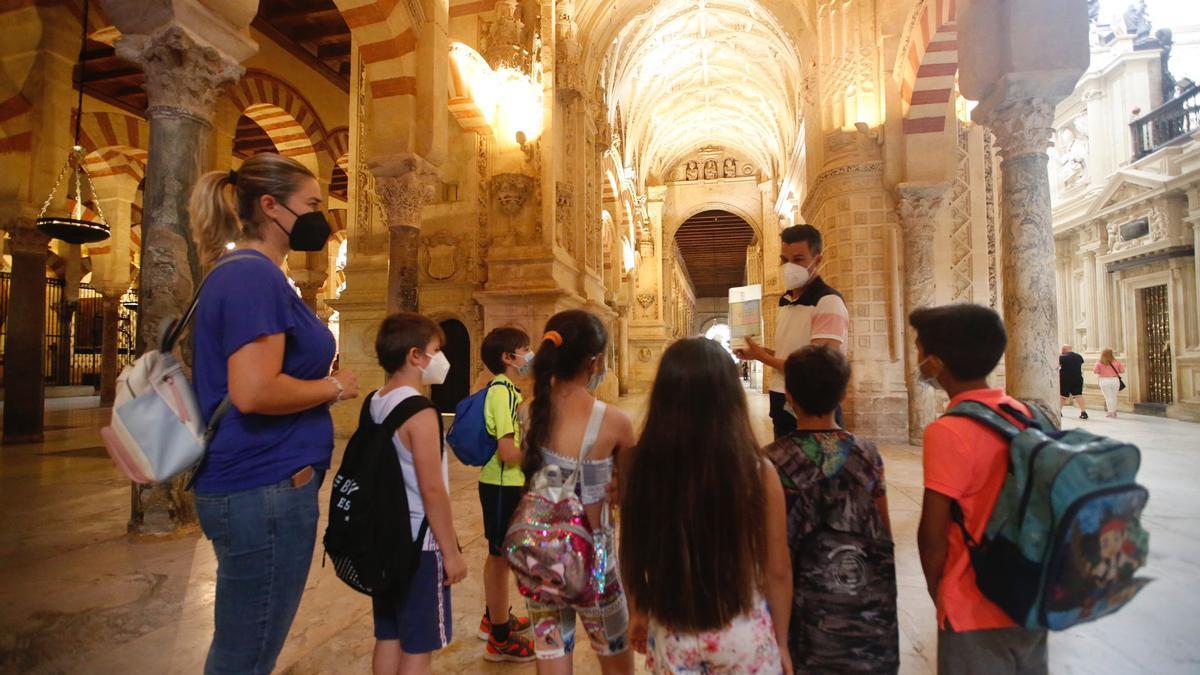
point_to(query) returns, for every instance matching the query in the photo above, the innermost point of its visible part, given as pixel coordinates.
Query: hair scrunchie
(232, 177)
(553, 336)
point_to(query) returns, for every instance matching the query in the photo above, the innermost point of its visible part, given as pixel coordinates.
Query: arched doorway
(458, 381)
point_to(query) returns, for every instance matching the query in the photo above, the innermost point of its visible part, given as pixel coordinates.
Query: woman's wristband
(340, 389)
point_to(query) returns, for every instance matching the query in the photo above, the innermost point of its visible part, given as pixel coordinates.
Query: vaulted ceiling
(713, 244)
(688, 73)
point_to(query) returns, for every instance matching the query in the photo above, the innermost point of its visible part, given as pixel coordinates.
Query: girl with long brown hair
(260, 349)
(705, 558)
(571, 429)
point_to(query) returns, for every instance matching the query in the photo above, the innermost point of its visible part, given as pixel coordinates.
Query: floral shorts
(606, 623)
(746, 645)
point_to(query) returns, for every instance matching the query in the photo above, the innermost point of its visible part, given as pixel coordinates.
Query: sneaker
(519, 624)
(517, 649)
(1083, 416)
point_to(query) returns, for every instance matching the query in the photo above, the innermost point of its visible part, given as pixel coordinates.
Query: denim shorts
(263, 539)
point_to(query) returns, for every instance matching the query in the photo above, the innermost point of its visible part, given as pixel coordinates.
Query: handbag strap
(176, 327)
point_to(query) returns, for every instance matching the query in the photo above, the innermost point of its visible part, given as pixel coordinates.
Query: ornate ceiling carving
(690, 73)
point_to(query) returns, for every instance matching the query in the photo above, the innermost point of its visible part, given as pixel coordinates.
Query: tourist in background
(1070, 379)
(837, 516)
(570, 428)
(1109, 369)
(810, 312)
(707, 562)
(257, 342)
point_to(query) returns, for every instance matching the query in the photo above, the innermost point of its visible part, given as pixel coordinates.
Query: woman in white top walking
(1109, 369)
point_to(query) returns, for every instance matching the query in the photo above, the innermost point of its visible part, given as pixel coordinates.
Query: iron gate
(1156, 344)
(74, 332)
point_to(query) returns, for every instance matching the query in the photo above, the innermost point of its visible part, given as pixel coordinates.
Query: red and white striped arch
(16, 134)
(929, 67)
(387, 43)
(283, 113)
(116, 144)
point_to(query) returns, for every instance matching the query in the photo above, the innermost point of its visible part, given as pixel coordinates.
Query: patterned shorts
(606, 623)
(747, 645)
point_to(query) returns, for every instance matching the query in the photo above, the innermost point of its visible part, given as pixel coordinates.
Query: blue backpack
(1065, 537)
(468, 436)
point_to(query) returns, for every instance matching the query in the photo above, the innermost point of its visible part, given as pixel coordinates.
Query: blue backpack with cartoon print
(1064, 538)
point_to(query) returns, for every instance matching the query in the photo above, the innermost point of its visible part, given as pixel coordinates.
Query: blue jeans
(264, 540)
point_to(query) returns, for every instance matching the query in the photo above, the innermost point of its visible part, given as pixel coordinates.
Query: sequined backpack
(558, 558)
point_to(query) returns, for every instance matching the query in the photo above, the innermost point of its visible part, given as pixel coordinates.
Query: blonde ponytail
(216, 220)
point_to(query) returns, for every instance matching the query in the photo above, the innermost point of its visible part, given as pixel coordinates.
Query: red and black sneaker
(517, 624)
(517, 649)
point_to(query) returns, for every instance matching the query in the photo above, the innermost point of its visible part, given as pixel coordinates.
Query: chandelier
(76, 226)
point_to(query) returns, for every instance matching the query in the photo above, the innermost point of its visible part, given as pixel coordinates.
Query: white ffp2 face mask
(436, 371)
(795, 276)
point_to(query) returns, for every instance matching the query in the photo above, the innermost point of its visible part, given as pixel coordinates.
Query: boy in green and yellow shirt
(507, 355)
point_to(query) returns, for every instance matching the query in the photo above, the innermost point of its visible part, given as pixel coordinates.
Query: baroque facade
(491, 163)
(1127, 216)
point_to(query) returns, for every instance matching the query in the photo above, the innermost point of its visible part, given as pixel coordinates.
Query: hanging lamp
(75, 227)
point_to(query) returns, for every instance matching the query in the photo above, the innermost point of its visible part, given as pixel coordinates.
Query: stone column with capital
(404, 185)
(183, 80)
(26, 339)
(919, 206)
(1092, 336)
(1023, 131)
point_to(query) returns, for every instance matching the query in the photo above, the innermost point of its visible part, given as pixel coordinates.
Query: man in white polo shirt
(811, 312)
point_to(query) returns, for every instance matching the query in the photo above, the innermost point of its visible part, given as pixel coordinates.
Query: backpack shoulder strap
(981, 413)
(364, 415)
(405, 410)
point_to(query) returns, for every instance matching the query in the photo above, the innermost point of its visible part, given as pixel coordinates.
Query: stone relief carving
(693, 170)
(961, 268)
(563, 201)
(989, 195)
(647, 305)
(1127, 192)
(567, 51)
(645, 354)
(710, 169)
(442, 254)
(511, 190)
(645, 241)
(729, 168)
(181, 74)
(505, 37)
(1071, 151)
(482, 241)
(1158, 224)
(713, 169)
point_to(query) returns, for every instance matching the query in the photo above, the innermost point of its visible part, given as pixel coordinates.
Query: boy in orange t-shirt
(957, 347)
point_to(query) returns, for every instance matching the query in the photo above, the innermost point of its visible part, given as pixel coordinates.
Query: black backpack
(369, 536)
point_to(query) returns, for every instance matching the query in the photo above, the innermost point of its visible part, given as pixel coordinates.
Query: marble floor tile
(82, 596)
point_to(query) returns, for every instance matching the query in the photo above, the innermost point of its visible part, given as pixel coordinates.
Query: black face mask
(310, 232)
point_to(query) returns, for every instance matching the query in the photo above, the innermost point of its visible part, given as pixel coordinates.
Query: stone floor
(81, 596)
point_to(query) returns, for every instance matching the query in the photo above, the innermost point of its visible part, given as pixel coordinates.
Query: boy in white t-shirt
(409, 347)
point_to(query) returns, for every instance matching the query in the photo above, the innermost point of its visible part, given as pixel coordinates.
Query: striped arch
(929, 66)
(387, 42)
(337, 146)
(283, 112)
(16, 134)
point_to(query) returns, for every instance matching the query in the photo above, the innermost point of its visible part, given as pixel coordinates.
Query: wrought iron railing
(74, 332)
(1169, 123)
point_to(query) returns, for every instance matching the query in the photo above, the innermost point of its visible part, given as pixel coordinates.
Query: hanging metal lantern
(73, 227)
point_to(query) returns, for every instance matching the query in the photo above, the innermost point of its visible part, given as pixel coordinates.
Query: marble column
(623, 349)
(310, 271)
(1023, 131)
(110, 322)
(183, 80)
(24, 349)
(919, 206)
(1092, 341)
(404, 185)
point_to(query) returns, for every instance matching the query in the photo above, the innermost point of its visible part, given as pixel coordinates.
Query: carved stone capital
(27, 240)
(404, 185)
(1023, 128)
(512, 190)
(919, 205)
(182, 75)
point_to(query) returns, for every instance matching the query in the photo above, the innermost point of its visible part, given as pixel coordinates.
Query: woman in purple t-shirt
(259, 344)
